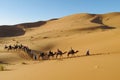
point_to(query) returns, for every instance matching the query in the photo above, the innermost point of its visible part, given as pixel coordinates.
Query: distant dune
(98, 33)
(19, 29)
(11, 31)
(104, 21)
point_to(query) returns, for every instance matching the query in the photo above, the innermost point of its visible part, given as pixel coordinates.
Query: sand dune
(112, 19)
(97, 32)
(19, 29)
(77, 20)
(8, 31)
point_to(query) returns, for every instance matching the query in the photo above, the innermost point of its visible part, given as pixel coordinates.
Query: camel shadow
(78, 56)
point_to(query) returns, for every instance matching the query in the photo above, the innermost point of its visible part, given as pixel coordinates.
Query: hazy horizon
(22, 11)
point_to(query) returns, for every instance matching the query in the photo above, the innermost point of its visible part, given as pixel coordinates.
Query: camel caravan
(37, 55)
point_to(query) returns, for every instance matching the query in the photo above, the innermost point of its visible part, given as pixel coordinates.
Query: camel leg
(39, 58)
(67, 55)
(73, 55)
(52, 57)
(49, 57)
(61, 56)
(56, 56)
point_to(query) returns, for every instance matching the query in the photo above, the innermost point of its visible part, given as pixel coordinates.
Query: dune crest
(78, 20)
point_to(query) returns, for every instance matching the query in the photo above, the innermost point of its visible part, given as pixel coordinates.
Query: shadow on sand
(78, 56)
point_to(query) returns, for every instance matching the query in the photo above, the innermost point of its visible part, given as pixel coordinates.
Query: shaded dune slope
(10, 31)
(31, 25)
(19, 29)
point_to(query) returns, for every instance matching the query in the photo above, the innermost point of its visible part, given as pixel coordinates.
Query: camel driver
(59, 51)
(50, 52)
(10, 47)
(72, 51)
(88, 53)
(34, 57)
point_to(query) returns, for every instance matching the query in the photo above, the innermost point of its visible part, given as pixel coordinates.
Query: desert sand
(98, 33)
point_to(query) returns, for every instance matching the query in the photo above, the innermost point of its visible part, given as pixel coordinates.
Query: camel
(10, 47)
(51, 54)
(72, 52)
(42, 55)
(14, 47)
(20, 46)
(5, 47)
(30, 52)
(60, 53)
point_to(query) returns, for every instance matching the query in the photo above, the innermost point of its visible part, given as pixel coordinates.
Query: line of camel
(40, 54)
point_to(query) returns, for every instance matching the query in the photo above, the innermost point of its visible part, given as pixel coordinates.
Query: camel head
(55, 53)
(76, 51)
(65, 52)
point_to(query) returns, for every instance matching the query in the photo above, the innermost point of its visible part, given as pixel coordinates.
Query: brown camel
(51, 54)
(60, 53)
(72, 52)
(42, 55)
(6, 47)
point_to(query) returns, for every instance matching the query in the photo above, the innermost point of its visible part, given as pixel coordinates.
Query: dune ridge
(107, 20)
